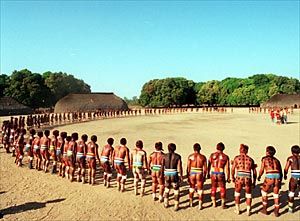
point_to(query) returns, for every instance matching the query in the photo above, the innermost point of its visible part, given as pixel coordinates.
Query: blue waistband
(295, 175)
(273, 175)
(171, 173)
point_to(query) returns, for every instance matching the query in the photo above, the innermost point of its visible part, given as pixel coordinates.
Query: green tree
(28, 88)
(209, 93)
(4, 83)
(62, 84)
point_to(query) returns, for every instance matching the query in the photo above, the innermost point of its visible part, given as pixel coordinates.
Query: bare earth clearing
(27, 194)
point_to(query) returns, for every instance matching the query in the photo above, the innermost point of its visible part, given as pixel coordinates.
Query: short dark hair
(75, 136)
(158, 145)
(244, 147)
(171, 147)
(220, 146)
(40, 133)
(47, 133)
(197, 147)
(295, 149)
(139, 144)
(63, 134)
(110, 141)
(271, 150)
(94, 138)
(123, 141)
(55, 133)
(84, 137)
(68, 138)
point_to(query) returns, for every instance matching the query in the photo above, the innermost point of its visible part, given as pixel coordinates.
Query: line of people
(69, 153)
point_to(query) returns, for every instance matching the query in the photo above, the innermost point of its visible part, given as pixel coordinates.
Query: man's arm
(204, 169)
(97, 153)
(180, 168)
(208, 167)
(286, 169)
(228, 170)
(233, 170)
(261, 171)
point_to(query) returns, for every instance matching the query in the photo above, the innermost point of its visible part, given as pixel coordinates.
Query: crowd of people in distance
(65, 154)
(46, 119)
(279, 115)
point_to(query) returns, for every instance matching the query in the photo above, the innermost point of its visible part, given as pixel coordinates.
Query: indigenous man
(242, 171)
(81, 149)
(106, 156)
(53, 147)
(217, 163)
(37, 149)
(121, 153)
(66, 165)
(60, 152)
(139, 167)
(92, 153)
(156, 165)
(273, 179)
(45, 144)
(71, 153)
(29, 147)
(196, 173)
(293, 162)
(172, 166)
(20, 142)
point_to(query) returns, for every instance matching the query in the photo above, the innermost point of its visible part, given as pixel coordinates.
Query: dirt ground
(31, 195)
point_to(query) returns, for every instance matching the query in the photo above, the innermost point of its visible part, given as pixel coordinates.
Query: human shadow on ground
(27, 206)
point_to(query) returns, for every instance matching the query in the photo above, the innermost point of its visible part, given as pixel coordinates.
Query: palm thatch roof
(90, 102)
(283, 100)
(9, 106)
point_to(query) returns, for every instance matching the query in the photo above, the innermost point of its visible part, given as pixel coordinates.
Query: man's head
(158, 146)
(84, 137)
(55, 133)
(139, 144)
(110, 141)
(197, 147)
(295, 149)
(94, 138)
(220, 146)
(74, 136)
(270, 150)
(40, 133)
(171, 147)
(123, 141)
(47, 133)
(244, 149)
(32, 131)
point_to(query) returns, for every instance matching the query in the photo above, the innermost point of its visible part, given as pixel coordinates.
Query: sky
(117, 46)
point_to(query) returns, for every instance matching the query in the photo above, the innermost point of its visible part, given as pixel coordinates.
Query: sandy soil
(30, 195)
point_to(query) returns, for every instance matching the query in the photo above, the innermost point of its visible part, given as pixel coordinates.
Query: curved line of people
(165, 168)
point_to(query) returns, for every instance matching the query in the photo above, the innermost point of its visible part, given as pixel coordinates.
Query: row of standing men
(70, 152)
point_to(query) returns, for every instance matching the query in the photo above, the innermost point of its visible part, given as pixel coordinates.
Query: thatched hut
(90, 102)
(283, 100)
(9, 106)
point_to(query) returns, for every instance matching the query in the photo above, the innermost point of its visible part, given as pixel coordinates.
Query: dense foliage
(230, 91)
(40, 90)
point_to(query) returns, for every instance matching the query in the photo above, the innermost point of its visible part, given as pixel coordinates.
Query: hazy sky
(119, 45)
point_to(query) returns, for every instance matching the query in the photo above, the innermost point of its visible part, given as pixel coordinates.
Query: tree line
(40, 90)
(253, 90)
